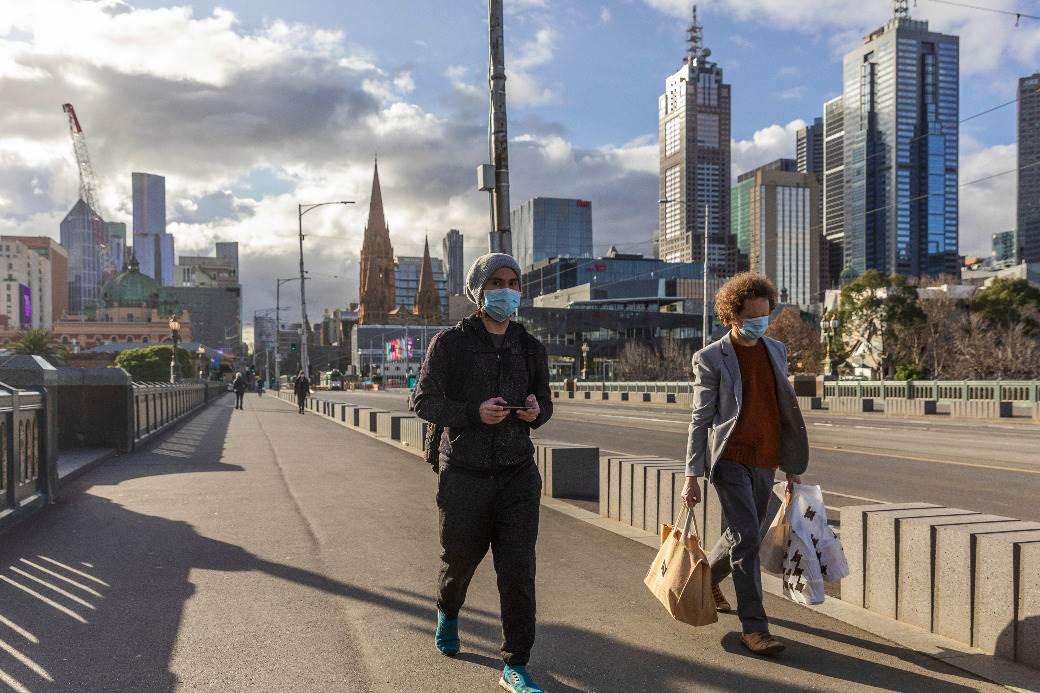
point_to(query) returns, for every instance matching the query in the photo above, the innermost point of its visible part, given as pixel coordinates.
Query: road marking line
(931, 460)
(873, 428)
(820, 423)
(847, 495)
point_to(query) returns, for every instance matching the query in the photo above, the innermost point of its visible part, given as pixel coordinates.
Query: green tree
(39, 342)
(1008, 302)
(879, 312)
(152, 364)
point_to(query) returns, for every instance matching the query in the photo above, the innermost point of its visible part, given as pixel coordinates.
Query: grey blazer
(717, 394)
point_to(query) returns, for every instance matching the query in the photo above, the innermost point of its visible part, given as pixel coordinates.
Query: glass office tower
(546, 227)
(900, 150)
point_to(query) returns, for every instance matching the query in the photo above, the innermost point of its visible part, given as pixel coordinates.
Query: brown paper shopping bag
(680, 576)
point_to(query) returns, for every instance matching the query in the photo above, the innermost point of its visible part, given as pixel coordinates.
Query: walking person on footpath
(302, 388)
(239, 386)
(746, 424)
(486, 382)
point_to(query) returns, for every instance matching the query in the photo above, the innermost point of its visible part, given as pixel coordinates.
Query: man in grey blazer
(746, 424)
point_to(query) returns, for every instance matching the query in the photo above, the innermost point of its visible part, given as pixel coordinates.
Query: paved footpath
(261, 550)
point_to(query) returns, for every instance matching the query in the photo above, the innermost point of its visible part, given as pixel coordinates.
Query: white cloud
(987, 38)
(297, 117)
(740, 41)
(523, 87)
(765, 145)
(793, 93)
(988, 206)
(788, 72)
(605, 15)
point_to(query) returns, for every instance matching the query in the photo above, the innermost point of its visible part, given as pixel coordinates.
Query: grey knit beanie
(482, 269)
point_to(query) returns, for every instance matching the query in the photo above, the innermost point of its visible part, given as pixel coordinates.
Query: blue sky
(249, 107)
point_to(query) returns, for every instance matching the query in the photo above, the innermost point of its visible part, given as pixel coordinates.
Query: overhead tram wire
(1017, 15)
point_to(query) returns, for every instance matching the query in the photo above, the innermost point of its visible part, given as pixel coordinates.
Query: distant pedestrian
(302, 388)
(485, 383)
(746, 424)
(259, 387)
(239, 385)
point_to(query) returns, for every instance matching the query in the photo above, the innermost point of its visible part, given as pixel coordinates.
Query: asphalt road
(262, 550)
(990, 468)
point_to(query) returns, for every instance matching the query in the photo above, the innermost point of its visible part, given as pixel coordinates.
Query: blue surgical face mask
(501, 304)
(754, 328)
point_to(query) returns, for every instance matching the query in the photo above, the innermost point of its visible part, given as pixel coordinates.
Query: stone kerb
(617, 396)
(998, 563)
(810, 403)
(661, 397)
(981, 409)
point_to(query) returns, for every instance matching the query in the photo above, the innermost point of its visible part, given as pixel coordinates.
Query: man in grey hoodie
(486, 382)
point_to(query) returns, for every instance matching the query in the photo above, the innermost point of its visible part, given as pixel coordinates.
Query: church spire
(427, 298)
(376, 297)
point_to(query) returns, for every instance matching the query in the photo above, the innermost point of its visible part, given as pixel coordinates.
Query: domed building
(134, 310)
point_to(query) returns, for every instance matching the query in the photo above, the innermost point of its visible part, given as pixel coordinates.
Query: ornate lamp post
(584, 360)
(830, 331)
(201, 353)
(175, 327)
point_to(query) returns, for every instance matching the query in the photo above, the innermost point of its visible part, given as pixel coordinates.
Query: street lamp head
(175, 324)
(201, 350)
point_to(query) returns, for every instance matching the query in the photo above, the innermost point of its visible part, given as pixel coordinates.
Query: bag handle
(690, 520)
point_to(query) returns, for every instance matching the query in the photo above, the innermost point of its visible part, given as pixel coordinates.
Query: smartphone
(513, 407)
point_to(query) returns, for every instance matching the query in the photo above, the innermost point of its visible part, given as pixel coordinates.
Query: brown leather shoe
(720, 600)
(762, 643)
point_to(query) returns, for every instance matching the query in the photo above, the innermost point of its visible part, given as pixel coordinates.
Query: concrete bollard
(882, 568)
(604, 487)
(900, 406)
(661, 398)
(914, 590)
(853, 539)
(997, 558)
(660, 495)
(641, 473)
(954, 577)
(851, 405)
(388, 424)
(372, 423)
(812, 403)
(1036, 412)
(569, 471)
(627, 486)
(981, 409)
(1027, 647)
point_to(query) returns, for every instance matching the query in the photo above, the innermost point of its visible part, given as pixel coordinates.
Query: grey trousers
(744, 493)
(500, 512)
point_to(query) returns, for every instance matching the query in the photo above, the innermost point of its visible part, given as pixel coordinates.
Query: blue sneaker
(517, 680)
(447, 634)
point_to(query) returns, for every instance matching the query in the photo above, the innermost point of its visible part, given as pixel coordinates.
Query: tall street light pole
(500, 238)
(705, 316)
(301, 210)
(278, 329)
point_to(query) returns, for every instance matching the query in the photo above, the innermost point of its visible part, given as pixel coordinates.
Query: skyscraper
(376, 298)
(545, 227)
(901, 126)
(809, 146)
(452, 249)
(1005, 249)
(694, 130)
(1029, 168)
(117, 243)
(781, 228)
(153, 247)
(833, 216)
(80, 230)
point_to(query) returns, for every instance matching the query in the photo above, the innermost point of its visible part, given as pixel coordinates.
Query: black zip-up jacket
(461, 370)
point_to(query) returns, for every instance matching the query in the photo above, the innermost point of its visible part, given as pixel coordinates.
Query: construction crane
(88, 190)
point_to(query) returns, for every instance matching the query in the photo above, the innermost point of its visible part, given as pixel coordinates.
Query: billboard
(400, 349)
(26, 313)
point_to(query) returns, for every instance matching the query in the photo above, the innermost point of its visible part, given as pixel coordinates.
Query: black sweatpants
(238, 399)
(302, 401)
(501, 512)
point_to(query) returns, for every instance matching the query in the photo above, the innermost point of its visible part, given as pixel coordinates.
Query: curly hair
(730, 299)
